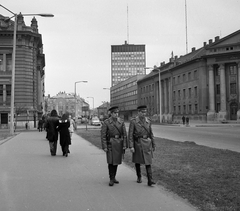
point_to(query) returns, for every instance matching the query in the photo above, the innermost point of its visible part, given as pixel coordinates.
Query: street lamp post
(75, 95)
(14, 62)
(93, 103)
(160, 92)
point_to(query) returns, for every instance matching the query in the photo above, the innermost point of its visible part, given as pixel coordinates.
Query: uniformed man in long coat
(114, 142)
(141, 143)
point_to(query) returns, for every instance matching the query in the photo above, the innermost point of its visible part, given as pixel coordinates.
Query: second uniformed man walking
(141, 143)
(114, 142)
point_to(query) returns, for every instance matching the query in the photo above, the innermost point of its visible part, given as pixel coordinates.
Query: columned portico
(223, 111)
(170, 98)
(238, 112)
(165, 97)
(211, 112)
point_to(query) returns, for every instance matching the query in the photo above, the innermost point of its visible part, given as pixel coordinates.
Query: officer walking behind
(114, 142)
(141, 143)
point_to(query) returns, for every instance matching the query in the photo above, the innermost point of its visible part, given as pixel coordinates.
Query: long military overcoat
(115, 146)
(140, 137)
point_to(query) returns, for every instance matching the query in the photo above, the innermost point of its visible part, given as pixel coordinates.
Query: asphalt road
(226, 137)
(216, 136)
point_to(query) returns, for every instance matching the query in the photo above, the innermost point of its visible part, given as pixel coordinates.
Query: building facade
(29, 72)
(127, 60)
(125, 96)
(67, 103)
(203, 85)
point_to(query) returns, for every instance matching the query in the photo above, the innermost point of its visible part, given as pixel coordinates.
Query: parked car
(95, 121)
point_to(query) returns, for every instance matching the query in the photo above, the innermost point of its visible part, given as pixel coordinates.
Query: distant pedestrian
(187, 121)
(26, 125)
(142, 144)
(65, 139)
(52, 133)
(40, 125)
(114, 142)
(183, 120)
(72, 125)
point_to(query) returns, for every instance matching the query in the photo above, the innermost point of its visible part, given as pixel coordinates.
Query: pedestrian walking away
(114, 142)
(72, 125)
(40, 125)
(65, 138)
(52, 133)
(142, 144)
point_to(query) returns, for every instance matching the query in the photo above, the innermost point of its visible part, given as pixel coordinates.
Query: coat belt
(116, 136)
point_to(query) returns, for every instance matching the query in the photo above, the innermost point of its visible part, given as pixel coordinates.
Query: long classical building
(29, 72)
(203, 84)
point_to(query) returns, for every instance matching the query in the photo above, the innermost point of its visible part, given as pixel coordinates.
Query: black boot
(111, 174)
(149, 175)
(115, 172)
(138, 171)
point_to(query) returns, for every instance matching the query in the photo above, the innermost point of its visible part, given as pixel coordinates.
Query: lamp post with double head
(75, 95)
(159, 90)
(15, 15)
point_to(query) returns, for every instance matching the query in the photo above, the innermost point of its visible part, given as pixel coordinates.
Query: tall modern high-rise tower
(127, 60)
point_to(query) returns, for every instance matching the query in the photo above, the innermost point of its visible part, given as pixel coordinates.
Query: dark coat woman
(52, 133)
(65, 138)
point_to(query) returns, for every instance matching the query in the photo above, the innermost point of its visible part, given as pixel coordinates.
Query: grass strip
(208, 178)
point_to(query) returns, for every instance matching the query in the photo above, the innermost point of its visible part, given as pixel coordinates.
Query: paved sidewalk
(83, 185)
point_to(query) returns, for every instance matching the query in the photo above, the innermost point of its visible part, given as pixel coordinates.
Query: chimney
(210, 41)
(125, 42)
(176, 57)
(204, 44)
(193, 49)
(217, 38)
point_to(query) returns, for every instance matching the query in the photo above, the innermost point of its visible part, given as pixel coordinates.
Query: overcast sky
(77, 41)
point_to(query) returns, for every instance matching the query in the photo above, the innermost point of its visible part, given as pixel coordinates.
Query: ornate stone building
(67, 103)
(29, 72)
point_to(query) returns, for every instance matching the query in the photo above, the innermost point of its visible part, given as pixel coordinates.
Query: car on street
(95, 121)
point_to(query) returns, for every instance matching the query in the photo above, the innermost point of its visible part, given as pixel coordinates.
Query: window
(179, 109)
(184, 93)
(179, 95)
(218, 107)
(189, 92)
(232, 70)
(1, 90)
(174, 95)
(233, 88)
(195, 92)
(189, 108)
(195, 74)
(218, 89)
(1, 62)
(184, 77)
(184, 109)
(179, 79)
(8, 89)
(9, 62)
(196, 108)
(189, 76)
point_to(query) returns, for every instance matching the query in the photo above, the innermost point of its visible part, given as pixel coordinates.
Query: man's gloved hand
(105, 150)
(132, 150)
